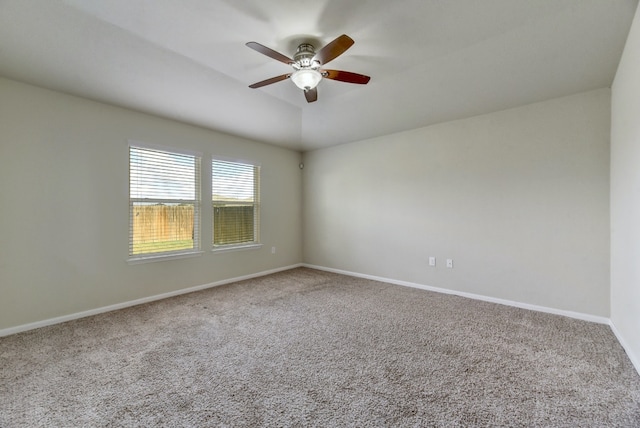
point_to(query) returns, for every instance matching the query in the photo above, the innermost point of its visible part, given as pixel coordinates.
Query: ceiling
(430, 61)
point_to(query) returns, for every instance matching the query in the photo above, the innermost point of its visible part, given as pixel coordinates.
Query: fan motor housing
(304, 55)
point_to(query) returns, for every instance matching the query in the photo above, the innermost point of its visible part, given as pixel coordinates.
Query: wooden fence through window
(161, 223)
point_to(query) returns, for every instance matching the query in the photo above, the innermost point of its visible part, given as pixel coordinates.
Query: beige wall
(625, 196)
(519, 199)
(64, 206)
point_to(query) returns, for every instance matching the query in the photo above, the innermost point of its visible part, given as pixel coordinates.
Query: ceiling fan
(307, 65)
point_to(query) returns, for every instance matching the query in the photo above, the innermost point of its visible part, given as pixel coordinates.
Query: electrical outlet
(432, 261)
(273, 250)
(449, 263)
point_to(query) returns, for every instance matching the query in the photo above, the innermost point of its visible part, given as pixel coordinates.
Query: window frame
(196, 250)
(248, 245)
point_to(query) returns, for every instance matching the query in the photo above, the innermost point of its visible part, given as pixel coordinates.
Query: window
(164, 204)
(235, 189)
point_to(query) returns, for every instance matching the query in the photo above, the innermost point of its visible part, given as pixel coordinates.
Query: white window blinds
(236, 203)
(164, 191)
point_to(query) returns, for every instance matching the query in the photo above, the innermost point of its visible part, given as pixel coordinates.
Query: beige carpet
(310, 348)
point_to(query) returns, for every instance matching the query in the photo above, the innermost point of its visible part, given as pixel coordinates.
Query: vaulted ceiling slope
(430, 61)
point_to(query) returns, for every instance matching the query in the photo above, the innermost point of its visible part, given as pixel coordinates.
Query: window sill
(230, 248)
(159, 258)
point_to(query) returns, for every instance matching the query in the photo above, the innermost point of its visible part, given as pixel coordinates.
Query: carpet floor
(311, 348)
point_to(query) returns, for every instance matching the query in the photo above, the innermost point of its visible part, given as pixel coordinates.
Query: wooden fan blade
(270, 81)
(346, 76)
(270, 52)
(311, 95)
(333, 49)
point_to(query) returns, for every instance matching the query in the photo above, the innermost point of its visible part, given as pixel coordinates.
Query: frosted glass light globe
(306, 78)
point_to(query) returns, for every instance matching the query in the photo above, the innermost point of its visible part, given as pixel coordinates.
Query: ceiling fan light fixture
(306, 78)
(306, 63)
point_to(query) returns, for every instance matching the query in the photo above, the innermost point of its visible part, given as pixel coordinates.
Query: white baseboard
(632, 357)
(570, 314)
(83, 314)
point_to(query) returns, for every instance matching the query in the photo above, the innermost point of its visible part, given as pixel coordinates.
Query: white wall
(64, 206)
(519, 199)
(625, 196)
